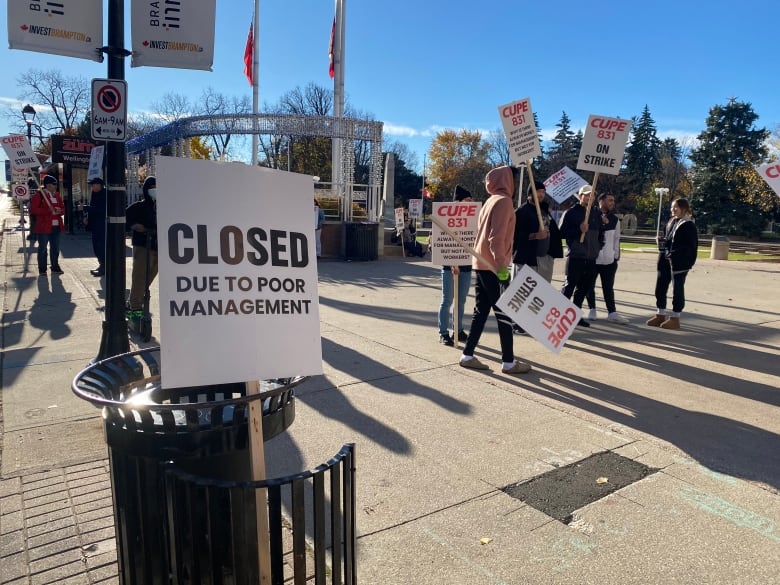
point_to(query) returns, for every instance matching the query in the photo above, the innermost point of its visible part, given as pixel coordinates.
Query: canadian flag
(249, 52)
(331, 67)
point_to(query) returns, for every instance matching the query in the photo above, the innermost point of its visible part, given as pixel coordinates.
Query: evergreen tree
(565, 148)
(643, 155)
(728, 148)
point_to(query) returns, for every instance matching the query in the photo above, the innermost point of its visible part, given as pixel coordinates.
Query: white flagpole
(255, 79)
(338, 104)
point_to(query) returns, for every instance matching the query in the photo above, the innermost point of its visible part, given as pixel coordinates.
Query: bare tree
(172, 107)
(61, 103)
(313, 100)
(213, 103)
(498, 153)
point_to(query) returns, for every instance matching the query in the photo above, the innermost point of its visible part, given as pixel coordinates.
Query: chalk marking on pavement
(729, 512)
(464, 559)
(566, 549)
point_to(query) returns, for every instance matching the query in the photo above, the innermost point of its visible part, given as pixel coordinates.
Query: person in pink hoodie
(493, 247)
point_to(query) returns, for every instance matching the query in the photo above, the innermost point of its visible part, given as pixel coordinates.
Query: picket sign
(463, 244)
(540, 309)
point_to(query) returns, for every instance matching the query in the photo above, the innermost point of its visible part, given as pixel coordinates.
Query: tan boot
(671, 323)
(656, 321)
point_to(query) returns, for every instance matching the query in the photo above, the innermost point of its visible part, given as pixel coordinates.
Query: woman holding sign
(448, 277)
(677, 255)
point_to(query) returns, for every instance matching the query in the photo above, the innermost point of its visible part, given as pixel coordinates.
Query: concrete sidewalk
(436, 444)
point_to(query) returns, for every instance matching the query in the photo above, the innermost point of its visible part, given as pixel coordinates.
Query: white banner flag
(241, 275)
(178, 35)
(73, 28)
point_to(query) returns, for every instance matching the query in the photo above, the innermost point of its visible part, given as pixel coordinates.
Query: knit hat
(461, 193)
(585, 190)
(95, 180)
(539, 187)
(49, 180)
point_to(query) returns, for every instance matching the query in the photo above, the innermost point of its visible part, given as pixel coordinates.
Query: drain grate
(559, 492)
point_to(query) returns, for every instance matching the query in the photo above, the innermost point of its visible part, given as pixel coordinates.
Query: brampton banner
(238, 273)
(73, 28)
(173, 34)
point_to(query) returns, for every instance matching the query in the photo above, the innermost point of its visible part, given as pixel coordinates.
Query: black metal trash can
(360, 240)
(202, 429)
(214, 539)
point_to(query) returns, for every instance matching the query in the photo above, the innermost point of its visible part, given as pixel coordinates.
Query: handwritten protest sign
(19, 152)
(544, 313)
(563, 184)
(399, 218)
(770, 172)
(95, 162)
(604, 144)
(415, 208)
(238, 280)
(517, 119)
(461, 218)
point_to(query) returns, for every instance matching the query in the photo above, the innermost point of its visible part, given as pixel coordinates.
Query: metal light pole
(661, 192)
(114, 340)
(28, 113)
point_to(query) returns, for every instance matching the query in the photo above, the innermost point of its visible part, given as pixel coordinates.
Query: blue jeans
(447, 293)
(51, 240)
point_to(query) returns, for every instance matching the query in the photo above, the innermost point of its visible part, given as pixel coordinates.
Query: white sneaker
(592, 315)
(617, 318)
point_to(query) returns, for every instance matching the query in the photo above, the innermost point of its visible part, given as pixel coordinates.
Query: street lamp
(661, 192)
(28, 113)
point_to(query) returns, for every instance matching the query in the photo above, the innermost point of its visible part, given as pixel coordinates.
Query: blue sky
(426, 65)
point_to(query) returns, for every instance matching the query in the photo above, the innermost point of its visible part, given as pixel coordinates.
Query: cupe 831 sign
(603, 145)
(544, 313)
(460, 218)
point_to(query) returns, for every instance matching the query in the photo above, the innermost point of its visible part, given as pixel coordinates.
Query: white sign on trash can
(544, 313)
(237, 278)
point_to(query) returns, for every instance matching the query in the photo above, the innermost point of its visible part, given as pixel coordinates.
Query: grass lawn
(704, 252)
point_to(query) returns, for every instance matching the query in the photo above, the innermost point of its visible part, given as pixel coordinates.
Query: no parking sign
(21, 192)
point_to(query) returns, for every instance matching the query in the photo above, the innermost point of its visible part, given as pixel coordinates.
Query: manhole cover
(559, 492)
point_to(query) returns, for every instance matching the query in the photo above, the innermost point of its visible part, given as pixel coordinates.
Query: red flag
(331, 68)
(427, 194)
(249, 52)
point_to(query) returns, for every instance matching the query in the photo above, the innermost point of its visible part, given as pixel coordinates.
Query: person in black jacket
(534, 245)
(676, 256)
(96, 222)
(141, 219)
(581, 257)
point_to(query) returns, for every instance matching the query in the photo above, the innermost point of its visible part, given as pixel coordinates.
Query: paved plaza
(438, 445)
